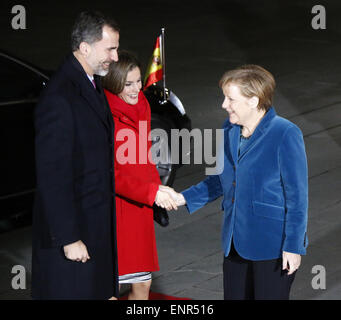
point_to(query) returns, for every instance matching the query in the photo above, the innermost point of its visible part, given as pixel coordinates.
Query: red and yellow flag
(154, 71)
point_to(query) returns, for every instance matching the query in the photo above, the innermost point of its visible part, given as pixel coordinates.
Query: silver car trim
(24, 64)
(22, 101)
(177, 103)
(17, 194)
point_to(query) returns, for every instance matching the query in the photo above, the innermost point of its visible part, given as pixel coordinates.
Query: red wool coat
(136, 185)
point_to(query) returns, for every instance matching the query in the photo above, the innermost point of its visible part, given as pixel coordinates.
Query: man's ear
(85, 49)
(253, 102)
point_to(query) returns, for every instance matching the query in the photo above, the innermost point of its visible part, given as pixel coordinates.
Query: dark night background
(204, 39)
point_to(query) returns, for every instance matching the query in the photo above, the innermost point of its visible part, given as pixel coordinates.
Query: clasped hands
(168, 198)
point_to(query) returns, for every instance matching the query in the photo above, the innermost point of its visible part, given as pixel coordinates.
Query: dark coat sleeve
(54, 151)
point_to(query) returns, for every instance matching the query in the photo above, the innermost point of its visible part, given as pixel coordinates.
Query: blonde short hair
(252, 80)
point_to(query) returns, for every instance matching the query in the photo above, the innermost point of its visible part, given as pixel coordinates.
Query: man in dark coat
(74, 226)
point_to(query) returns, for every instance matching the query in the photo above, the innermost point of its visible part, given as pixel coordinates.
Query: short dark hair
(88, 27)
(116, 78)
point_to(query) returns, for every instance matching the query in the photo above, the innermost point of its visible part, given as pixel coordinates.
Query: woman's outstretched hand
(177, 197)
(164, 200)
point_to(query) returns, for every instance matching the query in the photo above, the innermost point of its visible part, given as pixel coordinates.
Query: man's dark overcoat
(74, 197)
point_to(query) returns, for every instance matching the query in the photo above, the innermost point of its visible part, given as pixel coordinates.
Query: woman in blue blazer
(264, 184)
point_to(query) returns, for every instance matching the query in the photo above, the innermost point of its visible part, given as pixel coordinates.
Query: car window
(17, 81)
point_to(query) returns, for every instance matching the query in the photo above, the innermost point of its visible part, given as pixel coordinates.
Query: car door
(20, 87)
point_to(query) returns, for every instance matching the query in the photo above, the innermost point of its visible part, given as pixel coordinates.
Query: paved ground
(204, 40)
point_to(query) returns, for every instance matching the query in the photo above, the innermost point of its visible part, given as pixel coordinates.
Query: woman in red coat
(136, 178)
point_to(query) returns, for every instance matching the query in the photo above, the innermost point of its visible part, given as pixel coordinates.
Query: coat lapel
(258, 133)
(94, 100)
(233, 137)
(87, 91)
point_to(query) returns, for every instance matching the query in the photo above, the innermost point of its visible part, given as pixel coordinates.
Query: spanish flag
(154, 70)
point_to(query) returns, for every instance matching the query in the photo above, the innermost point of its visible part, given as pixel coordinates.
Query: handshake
(168, 198)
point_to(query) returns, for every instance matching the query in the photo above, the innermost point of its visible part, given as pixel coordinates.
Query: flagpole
(163, 63)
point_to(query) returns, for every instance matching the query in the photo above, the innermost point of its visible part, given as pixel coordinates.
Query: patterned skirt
(135, 277)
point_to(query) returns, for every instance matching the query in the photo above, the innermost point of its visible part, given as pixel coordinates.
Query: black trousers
(255, 280)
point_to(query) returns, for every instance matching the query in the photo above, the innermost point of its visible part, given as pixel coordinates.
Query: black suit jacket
(75, 189)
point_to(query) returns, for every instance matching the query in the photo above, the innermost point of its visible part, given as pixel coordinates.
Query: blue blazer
(264, 189)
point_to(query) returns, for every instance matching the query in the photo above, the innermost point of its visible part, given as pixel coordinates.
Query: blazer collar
(235, 131)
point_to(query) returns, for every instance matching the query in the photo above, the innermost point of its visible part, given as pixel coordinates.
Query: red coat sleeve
(139, 184)
(136, 189)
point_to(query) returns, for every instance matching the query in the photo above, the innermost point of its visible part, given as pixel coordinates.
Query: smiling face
(239, 107)
(132, 87)
(103, 52)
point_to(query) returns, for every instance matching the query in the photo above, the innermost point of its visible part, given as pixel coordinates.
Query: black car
(21, 84)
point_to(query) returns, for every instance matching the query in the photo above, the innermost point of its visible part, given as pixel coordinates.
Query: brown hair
(252, 80)
(116, 78)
